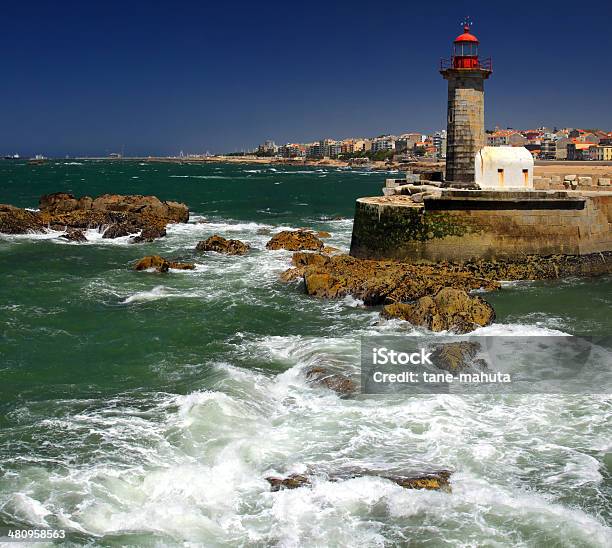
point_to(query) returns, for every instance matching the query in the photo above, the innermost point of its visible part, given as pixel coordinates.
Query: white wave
(200, 177)
(158, 292)
(517, 330)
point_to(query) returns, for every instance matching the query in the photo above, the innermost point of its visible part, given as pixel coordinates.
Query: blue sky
(91, 77)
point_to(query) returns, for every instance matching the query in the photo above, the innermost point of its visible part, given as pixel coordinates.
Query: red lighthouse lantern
(465, 51)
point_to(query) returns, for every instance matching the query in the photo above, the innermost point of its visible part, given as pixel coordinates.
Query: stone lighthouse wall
(465, 133)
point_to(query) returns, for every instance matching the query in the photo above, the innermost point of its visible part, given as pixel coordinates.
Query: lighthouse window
(466, 49)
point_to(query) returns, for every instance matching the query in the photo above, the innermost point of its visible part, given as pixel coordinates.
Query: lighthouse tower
(466, 74)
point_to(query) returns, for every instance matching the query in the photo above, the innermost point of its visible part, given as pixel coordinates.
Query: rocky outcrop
(145, 206)
(119, 230)
(149, 234)
(117, 215)
(439, 481)
(459, 356)
(221, 245)
(160, 264)
(301, 260)
(337, 382)
(74, 236)
(380, 282)
(292, 481)
(448, 310)
(14, 220)
(295, 240)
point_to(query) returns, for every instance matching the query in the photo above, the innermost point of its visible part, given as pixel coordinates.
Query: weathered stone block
(570, 177)
(585, 181)
(391, 183)
(603, 181)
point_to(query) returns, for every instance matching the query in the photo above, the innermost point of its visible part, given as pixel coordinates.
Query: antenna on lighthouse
(467, 23)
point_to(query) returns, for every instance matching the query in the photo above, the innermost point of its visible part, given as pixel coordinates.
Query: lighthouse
(465, 73)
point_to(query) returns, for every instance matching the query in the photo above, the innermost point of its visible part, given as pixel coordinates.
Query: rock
(153, 262)
(290, 482)
(160, 264)
(603, 181)
(58, 202)
(119, 230)
(330, 250)
(438, 481)
(295, 240)
(74, 235)
(570, 177)
(341, 384)
(292, 274)
(304, 258)
(177, 212)
(322, 234)
(140, 211)
(448, 310)
(14, 220)
(585, 181)
(264, 231)
(457, 356)
(149, 234)
(182, 266)
(221, 245)
(380, 282)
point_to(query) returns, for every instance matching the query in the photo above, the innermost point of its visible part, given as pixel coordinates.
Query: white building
(504, 168)
(383, 143)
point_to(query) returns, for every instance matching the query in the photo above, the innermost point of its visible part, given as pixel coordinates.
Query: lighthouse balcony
(461, 62)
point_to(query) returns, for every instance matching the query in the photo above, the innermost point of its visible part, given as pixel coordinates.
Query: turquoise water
(146, 409)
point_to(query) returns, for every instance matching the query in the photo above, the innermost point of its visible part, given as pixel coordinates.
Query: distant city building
(549, 147)
(579, 151)
(383, 144)
(506, 137)
(601, 153)
(292, 150)
(439, 142)
(269, 147)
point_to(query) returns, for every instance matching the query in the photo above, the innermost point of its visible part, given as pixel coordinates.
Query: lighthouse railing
(483, 64)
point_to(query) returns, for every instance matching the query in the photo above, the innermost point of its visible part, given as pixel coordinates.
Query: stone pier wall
(467, 225)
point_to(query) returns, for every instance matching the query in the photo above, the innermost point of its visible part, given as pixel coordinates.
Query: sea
(146, 409)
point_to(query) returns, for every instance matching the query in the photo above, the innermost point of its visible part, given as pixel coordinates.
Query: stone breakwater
(433, 225)
(378, 282)
(114, 214)
(432, 296)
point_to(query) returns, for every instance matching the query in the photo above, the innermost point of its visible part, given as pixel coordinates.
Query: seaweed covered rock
(456, 357)
(119, 215)
(14, 220)
(219, 244)
(436, 481)
(337, 382)
(149, 234)
(380, 282)
(119, 230)
(74, 235)
(161, 264)
(295, 240)
(448, 310)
